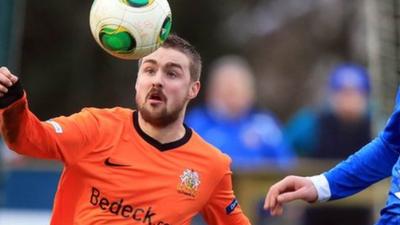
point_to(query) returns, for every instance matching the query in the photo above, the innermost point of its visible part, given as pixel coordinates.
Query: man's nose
(157, 85)
(158, 80)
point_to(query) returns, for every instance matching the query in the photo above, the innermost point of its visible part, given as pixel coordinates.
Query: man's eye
(149, 70)
(172, 74)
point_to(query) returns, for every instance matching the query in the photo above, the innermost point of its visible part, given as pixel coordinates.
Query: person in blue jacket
(341, 123)
(229, 120)
(373, 162)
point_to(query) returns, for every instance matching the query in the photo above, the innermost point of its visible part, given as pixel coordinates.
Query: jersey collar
(160, 146)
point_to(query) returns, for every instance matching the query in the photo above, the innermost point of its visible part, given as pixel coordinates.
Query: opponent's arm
(370, 164)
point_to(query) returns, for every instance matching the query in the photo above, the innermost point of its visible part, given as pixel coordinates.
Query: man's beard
(157, 117)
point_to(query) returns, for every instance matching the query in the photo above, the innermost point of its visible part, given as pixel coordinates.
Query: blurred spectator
(340, 125)
(229, 120)
(335, 129)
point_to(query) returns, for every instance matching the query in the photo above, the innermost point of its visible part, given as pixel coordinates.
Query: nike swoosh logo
(108, 162)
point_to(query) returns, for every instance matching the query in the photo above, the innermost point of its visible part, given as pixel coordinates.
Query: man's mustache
(156, 93)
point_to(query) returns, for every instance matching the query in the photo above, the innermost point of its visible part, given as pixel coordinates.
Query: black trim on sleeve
(14, 93)
(157, 144)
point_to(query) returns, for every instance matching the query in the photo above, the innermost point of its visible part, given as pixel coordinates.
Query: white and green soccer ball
(130, 29)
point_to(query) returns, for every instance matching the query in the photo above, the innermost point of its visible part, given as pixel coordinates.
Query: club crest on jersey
(190, 182)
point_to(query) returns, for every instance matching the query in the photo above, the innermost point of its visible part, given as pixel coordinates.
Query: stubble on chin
(158, 117)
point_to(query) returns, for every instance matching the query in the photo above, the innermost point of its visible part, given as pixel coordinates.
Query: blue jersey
(375, 161)
(253, 138)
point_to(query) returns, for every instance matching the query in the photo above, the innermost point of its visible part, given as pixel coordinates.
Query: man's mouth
(155, 97)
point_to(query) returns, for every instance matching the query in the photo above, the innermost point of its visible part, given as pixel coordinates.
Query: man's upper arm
(74, 135)
(62, 138)
(222, 207)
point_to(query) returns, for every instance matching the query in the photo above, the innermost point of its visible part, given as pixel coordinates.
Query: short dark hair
(180, 44)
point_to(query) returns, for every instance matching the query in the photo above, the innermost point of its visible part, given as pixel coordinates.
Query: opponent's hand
(289, 189)
(7, 79)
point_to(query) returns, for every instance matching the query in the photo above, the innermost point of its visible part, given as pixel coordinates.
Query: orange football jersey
(114, 173)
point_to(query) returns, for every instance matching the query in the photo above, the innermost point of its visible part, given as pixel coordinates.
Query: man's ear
(136, 82)
(194, 90)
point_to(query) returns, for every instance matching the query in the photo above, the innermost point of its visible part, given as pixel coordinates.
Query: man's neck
(167, 134)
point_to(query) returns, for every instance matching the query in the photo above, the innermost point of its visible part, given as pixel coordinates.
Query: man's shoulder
(108, 123)
(103, 119)
(115, 112)
(212, 153)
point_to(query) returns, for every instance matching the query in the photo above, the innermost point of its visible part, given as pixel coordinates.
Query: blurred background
(291, 46)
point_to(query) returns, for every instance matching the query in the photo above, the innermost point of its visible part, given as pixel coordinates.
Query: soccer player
(375, 161)
(124, 166)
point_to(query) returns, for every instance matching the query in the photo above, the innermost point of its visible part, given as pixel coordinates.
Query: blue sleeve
(370, 164)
